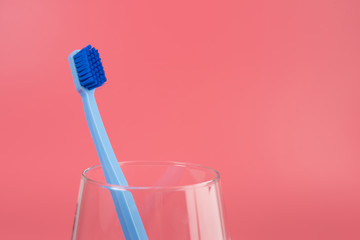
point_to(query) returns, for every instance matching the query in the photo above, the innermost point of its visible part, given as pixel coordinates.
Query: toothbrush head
(89, 69)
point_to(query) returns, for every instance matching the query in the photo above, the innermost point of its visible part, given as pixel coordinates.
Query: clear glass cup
(176, 201)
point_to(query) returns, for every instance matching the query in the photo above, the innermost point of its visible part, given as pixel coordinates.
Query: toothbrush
(88, 74)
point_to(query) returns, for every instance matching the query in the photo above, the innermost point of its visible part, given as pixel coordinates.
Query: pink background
(267, 92)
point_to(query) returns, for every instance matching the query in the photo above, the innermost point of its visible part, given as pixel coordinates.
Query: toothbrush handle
(112, 171)
(124, 202)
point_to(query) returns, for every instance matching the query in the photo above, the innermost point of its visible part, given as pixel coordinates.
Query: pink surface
(267, 92)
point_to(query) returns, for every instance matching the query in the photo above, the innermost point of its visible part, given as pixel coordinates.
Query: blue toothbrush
(88, 74)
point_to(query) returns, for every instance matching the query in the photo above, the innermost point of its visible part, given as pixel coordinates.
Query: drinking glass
(176, 201)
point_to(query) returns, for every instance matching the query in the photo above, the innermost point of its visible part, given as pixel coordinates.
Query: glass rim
(212, 181)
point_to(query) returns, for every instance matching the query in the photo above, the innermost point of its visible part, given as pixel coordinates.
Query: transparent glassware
(175, 201)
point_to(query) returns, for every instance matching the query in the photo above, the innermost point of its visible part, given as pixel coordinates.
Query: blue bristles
(89, 68)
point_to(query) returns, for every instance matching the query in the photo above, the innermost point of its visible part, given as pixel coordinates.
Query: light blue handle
(125, 206)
